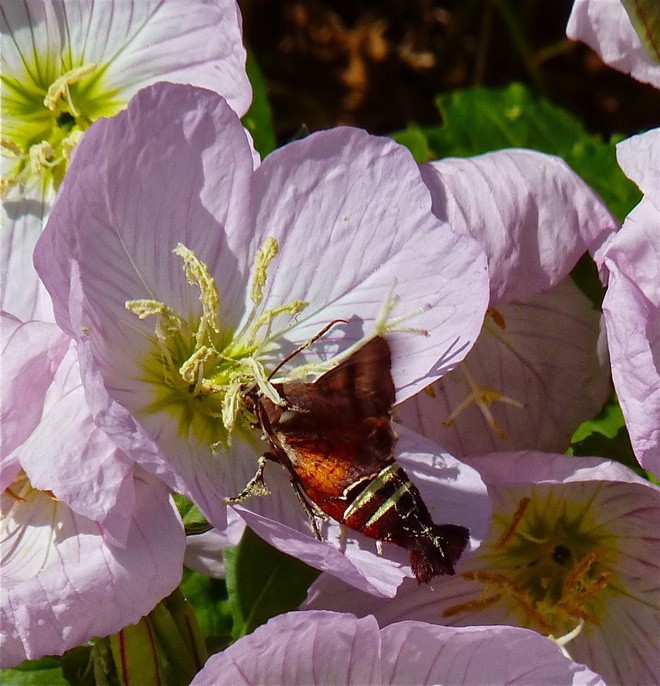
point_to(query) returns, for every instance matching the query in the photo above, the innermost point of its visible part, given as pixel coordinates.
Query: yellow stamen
(515, 521)
(265, 255)
(60, 87)
(198, 274)
(385, 324)
(70, 142)
(192, 370)
(9, 145)
(472, 605)
(40, 156)
(515, 593)
(483, 398)
(13, 495)
(6, 184)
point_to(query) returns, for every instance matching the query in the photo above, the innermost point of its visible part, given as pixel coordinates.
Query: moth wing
(329, 463)
(361, 386)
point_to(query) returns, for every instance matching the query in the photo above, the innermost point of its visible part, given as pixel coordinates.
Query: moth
(335, 438)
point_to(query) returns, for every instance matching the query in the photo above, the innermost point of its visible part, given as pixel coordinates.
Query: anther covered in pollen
(483, 398)
(202, 370)
(547, 563)
(43, 122)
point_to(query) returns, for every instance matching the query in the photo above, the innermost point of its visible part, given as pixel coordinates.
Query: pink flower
(81, 527)
(317, 648)
(65, 64)
(336, 226)
(605, 26)
(632, 302)
(572, 553)
(539, 367)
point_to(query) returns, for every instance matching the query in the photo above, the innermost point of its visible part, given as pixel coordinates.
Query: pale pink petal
(544, 360)
(632, 315)
(418, 653)
(62, 584)
(639, 157)
(193, 183)
(353, 220)
(301, 648)
(31, 354)
(318, 648)
(188, 184)
(21, 220)
(605, 26)
(533, 215)
(68, 455)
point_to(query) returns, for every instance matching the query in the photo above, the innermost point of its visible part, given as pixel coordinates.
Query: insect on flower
(335, 438)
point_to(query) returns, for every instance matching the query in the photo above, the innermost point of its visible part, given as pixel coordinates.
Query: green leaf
(194, 520)
(258, 120)
(607, 423)
(263, 582)
(209, 599)
(77, 666)
(606, 436)
(43, 672)
(478, 120)
(645, 18)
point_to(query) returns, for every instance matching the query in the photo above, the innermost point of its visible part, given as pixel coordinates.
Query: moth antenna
(314, 338)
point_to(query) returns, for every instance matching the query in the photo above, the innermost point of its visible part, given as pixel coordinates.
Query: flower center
(43, 121)
(27, 529)
(202, 371)
(547, 563)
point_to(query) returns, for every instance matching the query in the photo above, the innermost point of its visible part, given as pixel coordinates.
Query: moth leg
(256, 485)
(311, 509)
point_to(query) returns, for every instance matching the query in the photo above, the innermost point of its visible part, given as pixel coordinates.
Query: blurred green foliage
(477, 120)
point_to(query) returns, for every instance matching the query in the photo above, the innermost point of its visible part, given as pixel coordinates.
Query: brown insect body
(336, 439)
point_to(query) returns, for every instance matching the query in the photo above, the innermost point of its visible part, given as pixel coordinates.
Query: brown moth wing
(337, 430)
(360, 387)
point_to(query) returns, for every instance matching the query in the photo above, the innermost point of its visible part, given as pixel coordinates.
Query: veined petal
(31, 354)
(110, 243)
(533, 215)
(632, 314)
(639, 157)
(57, 571)
(589, 511)
(65, 65)
(330, 648)
(72, 458)
(144, 42)
(415, 652)
(353, 221)
(604, 25)
(133, 44)
(301, 648)
(632, 303)
(21, 220)
(537, 370)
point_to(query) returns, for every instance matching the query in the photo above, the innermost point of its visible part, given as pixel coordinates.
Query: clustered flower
(174, 268)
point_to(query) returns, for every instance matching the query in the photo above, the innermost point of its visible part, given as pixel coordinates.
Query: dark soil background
(379, 64)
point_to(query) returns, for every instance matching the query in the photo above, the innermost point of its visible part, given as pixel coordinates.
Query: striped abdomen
(389, 507)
